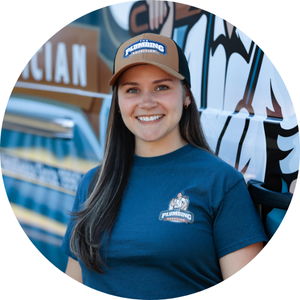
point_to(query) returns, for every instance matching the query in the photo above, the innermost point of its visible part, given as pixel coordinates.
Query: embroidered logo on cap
(145, 46)
(177, 211)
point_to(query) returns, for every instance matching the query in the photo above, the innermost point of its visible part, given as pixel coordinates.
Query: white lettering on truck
(60, 67)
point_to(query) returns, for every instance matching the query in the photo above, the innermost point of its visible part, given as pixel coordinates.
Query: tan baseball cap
(153, 49)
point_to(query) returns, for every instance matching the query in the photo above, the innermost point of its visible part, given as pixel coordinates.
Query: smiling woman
(151, 103)
(162, 217)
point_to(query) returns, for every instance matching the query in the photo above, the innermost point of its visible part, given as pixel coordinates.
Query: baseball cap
(153, 49)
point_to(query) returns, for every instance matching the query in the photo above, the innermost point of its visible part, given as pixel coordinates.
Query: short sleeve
(237, 223)
(80, 198)
(66, 240)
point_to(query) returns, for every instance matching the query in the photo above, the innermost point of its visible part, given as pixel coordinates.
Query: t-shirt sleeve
(237, 223)
(80, 198)
(66, 240)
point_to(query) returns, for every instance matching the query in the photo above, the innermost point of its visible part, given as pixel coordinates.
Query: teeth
(149, 119)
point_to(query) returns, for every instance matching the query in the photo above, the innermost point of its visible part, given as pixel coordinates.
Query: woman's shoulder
(87, 177)
(212, 163)
(204, 156)
(86, 180)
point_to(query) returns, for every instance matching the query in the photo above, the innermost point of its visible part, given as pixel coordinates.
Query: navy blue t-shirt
(180, 213)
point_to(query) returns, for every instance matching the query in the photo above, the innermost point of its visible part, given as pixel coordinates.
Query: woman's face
(151, 103)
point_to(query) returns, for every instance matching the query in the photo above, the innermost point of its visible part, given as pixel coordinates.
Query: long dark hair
(94, 223)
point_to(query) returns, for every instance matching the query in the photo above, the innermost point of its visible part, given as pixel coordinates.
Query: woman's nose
(147, 101)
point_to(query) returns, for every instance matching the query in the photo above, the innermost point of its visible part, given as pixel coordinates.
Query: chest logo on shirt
(177, 211)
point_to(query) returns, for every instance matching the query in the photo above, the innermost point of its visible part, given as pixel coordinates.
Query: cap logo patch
(145, 46)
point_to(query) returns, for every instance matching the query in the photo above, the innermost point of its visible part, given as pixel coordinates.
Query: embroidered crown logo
(177, 211)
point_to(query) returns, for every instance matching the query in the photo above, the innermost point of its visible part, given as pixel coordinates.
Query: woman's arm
(74, 269)
(233, 262)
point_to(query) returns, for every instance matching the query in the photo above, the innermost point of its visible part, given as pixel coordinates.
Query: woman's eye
(132, 91)
(162, 87)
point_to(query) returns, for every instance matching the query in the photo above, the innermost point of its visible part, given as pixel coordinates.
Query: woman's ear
(187, 98)
(187, 101)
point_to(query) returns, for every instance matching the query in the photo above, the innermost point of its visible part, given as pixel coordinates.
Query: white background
(27, 25)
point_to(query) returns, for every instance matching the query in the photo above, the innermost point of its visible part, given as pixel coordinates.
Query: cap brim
(168, 70)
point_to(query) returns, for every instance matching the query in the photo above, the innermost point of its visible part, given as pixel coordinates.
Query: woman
(123, 238)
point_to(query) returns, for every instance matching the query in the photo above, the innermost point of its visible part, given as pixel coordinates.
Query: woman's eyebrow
(130, 83)
(154, 82)
(162, 80)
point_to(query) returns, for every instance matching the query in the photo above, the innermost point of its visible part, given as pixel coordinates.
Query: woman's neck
(152, 149)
